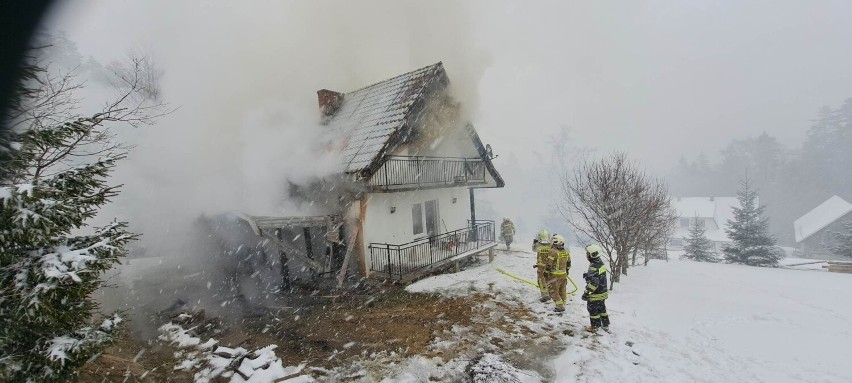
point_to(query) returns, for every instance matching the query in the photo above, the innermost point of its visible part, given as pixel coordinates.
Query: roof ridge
(439, 63)
(798, 223)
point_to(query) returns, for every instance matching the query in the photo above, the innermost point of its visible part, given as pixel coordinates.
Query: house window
(676, 242)
(684, 222)
(417, 218)
(701, 222)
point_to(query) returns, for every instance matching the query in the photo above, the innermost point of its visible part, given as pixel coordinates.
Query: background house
(712, 212)
(813, 229)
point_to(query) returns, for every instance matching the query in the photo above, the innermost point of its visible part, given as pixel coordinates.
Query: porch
(408, 261)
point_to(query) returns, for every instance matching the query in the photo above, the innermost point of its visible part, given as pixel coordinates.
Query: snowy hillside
(681, 321)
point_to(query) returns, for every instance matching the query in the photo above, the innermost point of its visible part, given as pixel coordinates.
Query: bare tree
(52, 102)
(618, 205)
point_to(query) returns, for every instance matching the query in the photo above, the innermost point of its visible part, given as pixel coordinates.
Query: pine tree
(749, 231)
(49, 268)
(54, 181)
(698, 247)
(842, 241)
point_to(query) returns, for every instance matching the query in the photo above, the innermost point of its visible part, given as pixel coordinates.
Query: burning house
(403, 203)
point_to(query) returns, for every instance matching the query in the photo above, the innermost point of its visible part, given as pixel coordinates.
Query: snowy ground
(678, 321)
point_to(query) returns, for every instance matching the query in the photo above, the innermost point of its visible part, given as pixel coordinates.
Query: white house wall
(382, 226)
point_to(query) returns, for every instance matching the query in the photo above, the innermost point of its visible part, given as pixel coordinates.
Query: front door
(432, 219)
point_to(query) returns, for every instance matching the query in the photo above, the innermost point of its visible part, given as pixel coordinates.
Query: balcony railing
(399, 261)
(402, 172)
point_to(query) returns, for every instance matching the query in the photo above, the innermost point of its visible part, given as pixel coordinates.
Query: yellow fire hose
(531, 283)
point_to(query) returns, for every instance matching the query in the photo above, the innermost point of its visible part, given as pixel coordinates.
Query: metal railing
(400, 172)
(397, 261)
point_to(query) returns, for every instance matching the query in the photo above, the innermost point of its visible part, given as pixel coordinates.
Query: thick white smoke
(243, 78)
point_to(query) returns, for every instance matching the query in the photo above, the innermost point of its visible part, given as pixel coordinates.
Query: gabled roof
(483, 153)
(721, 209)
(821, 216)
(370, 118)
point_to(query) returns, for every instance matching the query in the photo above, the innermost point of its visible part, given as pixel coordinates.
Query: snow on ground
(681, 321)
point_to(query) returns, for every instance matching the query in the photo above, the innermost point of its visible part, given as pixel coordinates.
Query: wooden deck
(839, 267)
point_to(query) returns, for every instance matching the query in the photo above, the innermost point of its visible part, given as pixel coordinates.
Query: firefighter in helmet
(541, 247)
(596, 290)
(559, 261)
(507, 231)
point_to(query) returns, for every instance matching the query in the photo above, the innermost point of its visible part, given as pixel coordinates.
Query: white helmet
(558, 240)
(594, 251)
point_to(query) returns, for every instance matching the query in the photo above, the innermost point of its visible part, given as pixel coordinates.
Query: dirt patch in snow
(134, 360)
(322, 331)
(347, 326)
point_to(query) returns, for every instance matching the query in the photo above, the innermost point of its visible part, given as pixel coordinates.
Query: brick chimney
(329, 101)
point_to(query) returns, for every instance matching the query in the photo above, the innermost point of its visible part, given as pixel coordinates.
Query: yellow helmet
(558, 240)
(543, 236)
(594, 250)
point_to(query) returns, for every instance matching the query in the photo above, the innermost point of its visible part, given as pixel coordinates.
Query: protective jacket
(596, 281)
(507, 229)
(559, 261)
(542, 251)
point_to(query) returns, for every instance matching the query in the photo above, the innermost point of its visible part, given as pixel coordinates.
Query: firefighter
(596, 290)
(559, 262)
(507, 231)
(541, 247)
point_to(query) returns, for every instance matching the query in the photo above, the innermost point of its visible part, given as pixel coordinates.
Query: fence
(399, 172)
(397, 261)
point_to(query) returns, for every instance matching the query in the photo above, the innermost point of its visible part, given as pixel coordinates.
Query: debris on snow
(491, 368)
(211, 361)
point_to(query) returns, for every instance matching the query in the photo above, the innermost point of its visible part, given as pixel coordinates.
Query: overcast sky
(653, 78)
(656, 79)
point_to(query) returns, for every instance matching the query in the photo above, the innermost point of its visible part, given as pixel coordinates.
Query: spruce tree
(698, 247)
(51, 263)
(842, 241)
(749, 231)
(53, 182)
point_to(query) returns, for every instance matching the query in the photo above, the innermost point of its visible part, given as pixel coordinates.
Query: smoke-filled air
(450, 191)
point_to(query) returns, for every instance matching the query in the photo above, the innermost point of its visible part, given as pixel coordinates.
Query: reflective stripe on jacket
(543, 251)
(596, 281)
(560, 261)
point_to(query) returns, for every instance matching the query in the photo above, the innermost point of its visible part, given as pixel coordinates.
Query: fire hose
(531, 283)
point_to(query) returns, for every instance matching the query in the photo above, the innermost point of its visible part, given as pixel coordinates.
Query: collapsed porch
(315, 243)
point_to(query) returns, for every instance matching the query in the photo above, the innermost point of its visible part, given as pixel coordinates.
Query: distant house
(403, 203)
(813, 229)
(712, 212)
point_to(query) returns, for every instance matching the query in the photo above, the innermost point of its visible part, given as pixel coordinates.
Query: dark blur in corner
(19, 20)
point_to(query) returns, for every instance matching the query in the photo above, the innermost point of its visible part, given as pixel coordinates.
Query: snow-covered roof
(821, 216)
(721, 209)
(369, 117)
